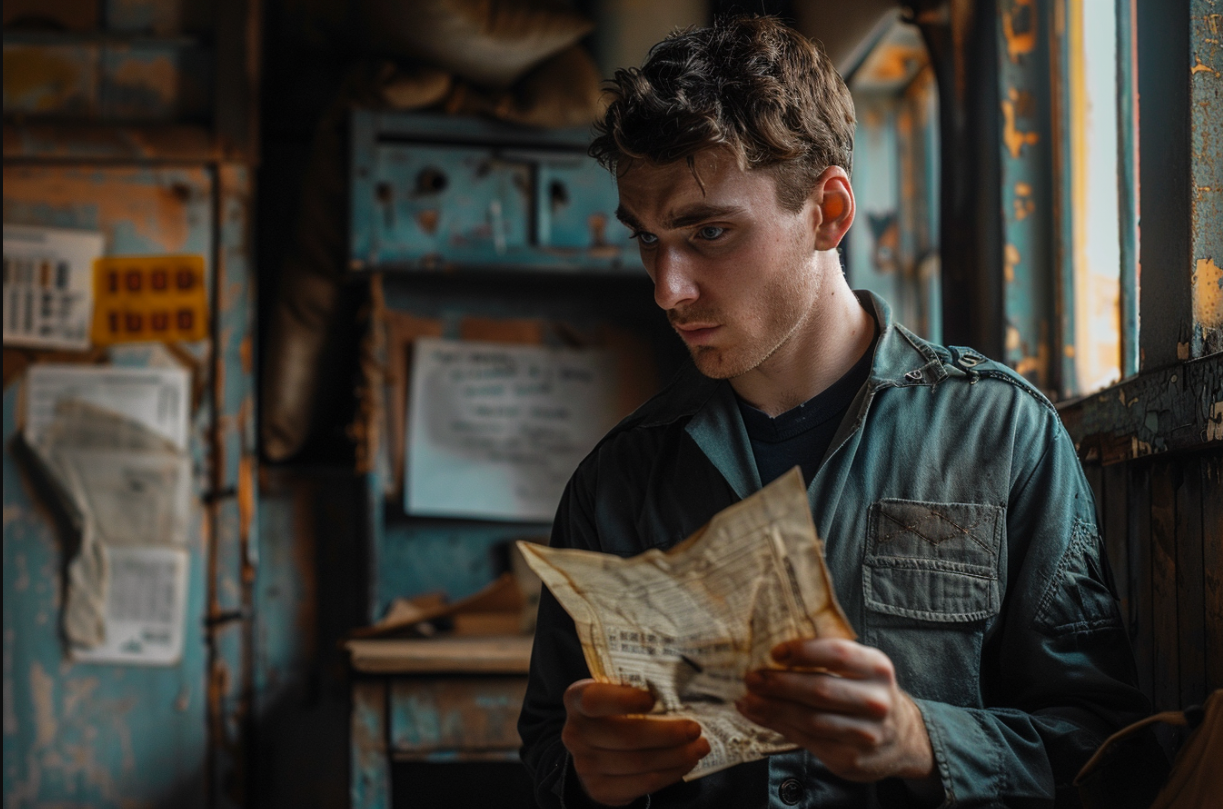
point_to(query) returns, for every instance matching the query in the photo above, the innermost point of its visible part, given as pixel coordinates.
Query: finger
(629, 732)
(837, 656)
(590, 698)
(640, 762)
(620, 789)
(807, 727)
(825, 692)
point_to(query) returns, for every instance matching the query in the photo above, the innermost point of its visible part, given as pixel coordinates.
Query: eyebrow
(627, 218)
(689, 216)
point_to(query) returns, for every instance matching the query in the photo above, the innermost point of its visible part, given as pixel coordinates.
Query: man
(959, 530)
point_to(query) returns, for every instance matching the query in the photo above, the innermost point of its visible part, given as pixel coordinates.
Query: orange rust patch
(1025, 206)
(1011, 258)
(527, 331)
(246, 352)
(43, 79)
(121, 196)
(1019, 43)
(1208, 294)
(1015, 138)
(428, 221)
(159, 75)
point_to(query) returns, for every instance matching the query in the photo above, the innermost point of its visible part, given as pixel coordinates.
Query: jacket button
(791, 791)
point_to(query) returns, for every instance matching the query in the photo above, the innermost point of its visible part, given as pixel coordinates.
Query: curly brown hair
(749, 84)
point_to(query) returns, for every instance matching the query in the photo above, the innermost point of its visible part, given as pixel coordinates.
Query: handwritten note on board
(495, 430)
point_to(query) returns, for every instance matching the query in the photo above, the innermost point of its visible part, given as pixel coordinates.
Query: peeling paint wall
(1206, 157)
(892, 248)
(98, 735)
(1027, 205)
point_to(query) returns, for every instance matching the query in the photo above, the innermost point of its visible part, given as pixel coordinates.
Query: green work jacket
(961, 537)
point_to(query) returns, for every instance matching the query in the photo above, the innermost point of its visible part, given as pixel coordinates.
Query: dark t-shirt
(800, 436)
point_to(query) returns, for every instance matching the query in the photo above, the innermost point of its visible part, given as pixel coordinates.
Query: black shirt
(801, 435)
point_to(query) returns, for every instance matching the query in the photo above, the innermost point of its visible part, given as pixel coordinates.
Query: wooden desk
(435, 700)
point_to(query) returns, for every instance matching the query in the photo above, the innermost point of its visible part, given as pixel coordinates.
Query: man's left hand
(839, 700)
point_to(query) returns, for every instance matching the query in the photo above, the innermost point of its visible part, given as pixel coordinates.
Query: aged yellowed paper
(689, 623)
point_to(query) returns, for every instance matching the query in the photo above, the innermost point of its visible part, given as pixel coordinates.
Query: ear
(833, 211)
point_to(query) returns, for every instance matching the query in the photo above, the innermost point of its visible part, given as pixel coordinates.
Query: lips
(696, 333)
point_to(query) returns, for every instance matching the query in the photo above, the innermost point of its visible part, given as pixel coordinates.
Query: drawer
(454, 194)
(455, 715)
(442, 203)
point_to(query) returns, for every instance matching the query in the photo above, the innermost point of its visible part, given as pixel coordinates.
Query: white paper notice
(146, 602)
(114, 442)
(495, 430)
(158, 398)
(48, 286)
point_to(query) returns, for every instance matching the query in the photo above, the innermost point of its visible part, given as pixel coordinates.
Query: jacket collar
(901, 360)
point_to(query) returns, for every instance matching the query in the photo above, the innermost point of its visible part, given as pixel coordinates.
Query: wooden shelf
(500, 654)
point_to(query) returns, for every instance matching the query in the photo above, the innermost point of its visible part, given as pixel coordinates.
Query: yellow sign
(149, 298)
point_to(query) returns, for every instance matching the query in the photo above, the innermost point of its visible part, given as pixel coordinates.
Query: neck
(832, 337)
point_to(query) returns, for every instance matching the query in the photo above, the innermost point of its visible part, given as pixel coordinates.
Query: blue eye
(710, 232)
(648, 239)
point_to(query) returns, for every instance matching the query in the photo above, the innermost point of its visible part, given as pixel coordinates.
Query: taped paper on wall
(689, 624)
(145, 608)
(48, 286)
(126, 486)
(495, 430)
(157, 398)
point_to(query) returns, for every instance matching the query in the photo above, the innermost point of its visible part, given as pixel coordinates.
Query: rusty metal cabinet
(434, 193)
(459, 222)
(436, 701)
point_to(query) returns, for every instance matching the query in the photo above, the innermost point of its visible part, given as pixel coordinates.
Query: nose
(672, 274)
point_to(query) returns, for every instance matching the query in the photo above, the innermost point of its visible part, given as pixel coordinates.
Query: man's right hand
(620, 755)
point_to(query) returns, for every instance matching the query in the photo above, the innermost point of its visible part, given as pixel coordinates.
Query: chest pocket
(933, 561)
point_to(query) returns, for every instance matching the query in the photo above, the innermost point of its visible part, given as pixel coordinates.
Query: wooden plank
(1190, 584)
(488, 655)
(1212, 565)
(1176, 408)
(1115, 511)
(1141, 613)
(1095, 479)
(1165, 647)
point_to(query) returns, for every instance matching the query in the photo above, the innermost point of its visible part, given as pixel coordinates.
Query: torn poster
(126, 487)
(48, 286)
(690, 623)
(495, 430)
(145, 610)
(157, 398)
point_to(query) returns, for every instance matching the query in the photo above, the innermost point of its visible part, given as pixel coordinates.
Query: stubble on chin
(715, 362)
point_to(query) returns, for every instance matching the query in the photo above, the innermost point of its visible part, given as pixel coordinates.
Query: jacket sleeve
(1058, 675)
(556, 662)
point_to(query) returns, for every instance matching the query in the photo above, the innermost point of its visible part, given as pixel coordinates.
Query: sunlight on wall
(1097, 250)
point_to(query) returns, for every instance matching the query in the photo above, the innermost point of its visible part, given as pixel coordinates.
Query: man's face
(733, 270)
